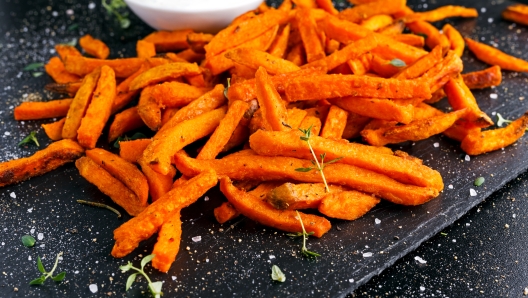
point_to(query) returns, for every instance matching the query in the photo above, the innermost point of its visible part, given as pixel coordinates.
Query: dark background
(480, 254)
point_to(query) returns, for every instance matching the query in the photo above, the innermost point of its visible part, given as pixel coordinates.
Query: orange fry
(365, 11)
(279, 46)
(176, 94)
(225, 213)
(43, 161)
(223, 132)
(516, 13)
(299, 196)
(141, 227)
(261, 212)
(69, 88)
(335, 123)
(55, 69)
(477, 142)
(54, 130)
(434, 37)
(377, 22)
(158, 184)
(132, 150)
(79, 105)
(145, 49)
(166, 41)
(355, 124)
(493, 56)
(327, 6)
(270, 102)
(168, 243)
(441, 13)
(82, 66)
(455, 39)
(309, 36)
(159, 153)
(66, 50)
(124, 122)
(255, 58)
(164, 72)
(99, 110)
(123, 94)
(94, 47)
(42, 110)
(197, 41)
(347, 205)
(421, 65)
(148, 109)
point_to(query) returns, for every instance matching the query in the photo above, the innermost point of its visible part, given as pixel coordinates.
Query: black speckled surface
(235, 259)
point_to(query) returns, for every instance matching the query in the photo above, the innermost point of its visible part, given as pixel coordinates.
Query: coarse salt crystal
(450, 186)
(76, 272)
(13, 195)
(207, 260)
(436, 145)
(7, 133)
(56, 14)
(173, 277)
(93, 288)
(91, 5)
(483, 9)
(422, 289)
(30, 210)
(420, 260)
(493, 96)
(467, 158)
(3, 243)
(69, 12)
(377, 221)
(514, 216)
(32, 231)
(467, 224)
(271, 257)
(40, 236)
(351, 280)
(196, 238)
(206, 198)
(29, 258)
(472, 192)
(454, 240)
(490, 20)
(367, 254)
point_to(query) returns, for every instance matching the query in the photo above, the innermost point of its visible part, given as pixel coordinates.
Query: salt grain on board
(367, 254)
(351, 280)
(40, 236)
(420, 260)
(196, 238)
(377, 221)
(450, 186)
(493, 96)
(467, 158)
(472, 192)
(173, 277)
(93, 288)
(30, 210)
(13, 195)
(422, 289)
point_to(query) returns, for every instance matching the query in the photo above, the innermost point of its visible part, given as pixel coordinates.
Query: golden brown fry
(292, 196)
(148, 109)
(141, 227)
(264, 168)
(124, 122)
(66, 50)
(289, 144)
(263, 213)
(516, 13)
(477, 142)
(254, 58)
(493, 56)
(55, 69)
(54, 130)
(99, 110)
(43, 161)
(335, 123)
(168, 243)
(455, 39)
(42, 110)
(365, 11)
(377, 22)
(434, 37)
(158, 184)
(270, 102)
(131, 150)
(159, 153)
(163, 73)
(82, 66)
(166, 41)
(441, 13)
(94, 47)
(347, 205)
(145, 49)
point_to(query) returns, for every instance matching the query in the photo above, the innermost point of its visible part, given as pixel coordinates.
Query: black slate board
(235, 259)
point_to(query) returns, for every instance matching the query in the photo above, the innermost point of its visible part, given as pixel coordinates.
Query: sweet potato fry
(163, 73)
(410, 39)
(197, 41)
(446, 69)
(225, 213)
(377, 22)
(123, 94)
(68, 88)
(297, 55)
(421, 65)
(477, 142)
(94, 47)
(132, 150)
(279, 46)
(361, 65)
(82, 66)
(79, 105)
(237, 34)
(54, 130)
(517, 13)
(124, 122)
(289, 144)
(290, 196)
(159, 184)
(42, 110)
(167, 41)
(347, 205)
(312, 121)
(55, 69)
(493, 56)
(335, 123)
(354, 125)
(219, 63)
(176, 94)
(123, 171)
(66, 50)
(295, 117)
(455, 39)
(261, 212)
(329, 86)
(141, 227)
(270, 102)
(460, 97)
(327, 6)
(396, 27)
(367, 10)
(434, 37)
(207, 102)
(158, 154)
(414, 131)
(148, 109)
(168, 243)
(145, 49)
(255, 58)
(191, 56)
(264, 168)
(441, 13)
(99, 110)
(43, 161)
(167, 114)
(309, 35)
(383, 67)
(110, 186)
(225, 129)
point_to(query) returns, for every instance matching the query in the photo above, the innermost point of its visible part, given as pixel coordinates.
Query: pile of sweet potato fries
(303, 79)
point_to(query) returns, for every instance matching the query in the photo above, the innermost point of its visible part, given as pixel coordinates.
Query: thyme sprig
(59, 277)
(154, 287)
(304, 235)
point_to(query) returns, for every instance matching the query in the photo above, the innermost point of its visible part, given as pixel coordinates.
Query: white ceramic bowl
(201, 15)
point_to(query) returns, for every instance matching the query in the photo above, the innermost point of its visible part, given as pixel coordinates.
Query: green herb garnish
(443, 234)
(479, 181)
(276, 274)
(307, 133)
(100, 205)
(33, 66)
(59, 277)
(113, 8)
(397, 62)
(501, 121)
(37, 74)
(28, 240)
(30, 138)
(154, 287)
(135, 136)
(304, 235)
(73, 27)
